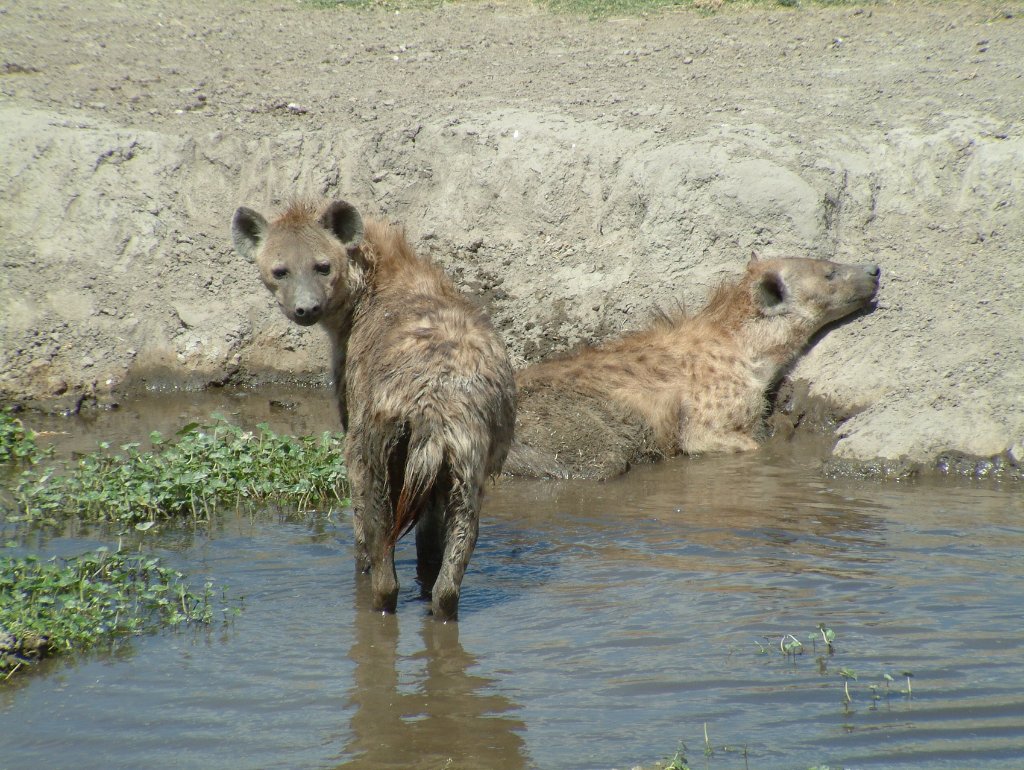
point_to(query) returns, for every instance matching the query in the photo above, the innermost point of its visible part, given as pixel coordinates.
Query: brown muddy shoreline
(796, 415)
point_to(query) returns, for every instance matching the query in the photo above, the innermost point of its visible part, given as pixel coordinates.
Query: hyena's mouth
(304, 320)
(302, 317)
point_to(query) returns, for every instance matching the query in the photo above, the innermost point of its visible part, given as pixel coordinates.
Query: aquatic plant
(828, 636)
(790, 645)
(847, 675)
(909, 692)
(205, 467)
(678, 760)
(58, 605)
(16, 441)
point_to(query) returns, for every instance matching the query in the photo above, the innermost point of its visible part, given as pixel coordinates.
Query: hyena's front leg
(357, 487)
(377, 521)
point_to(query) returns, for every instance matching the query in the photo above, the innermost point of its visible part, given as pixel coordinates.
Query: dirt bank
(571, 174)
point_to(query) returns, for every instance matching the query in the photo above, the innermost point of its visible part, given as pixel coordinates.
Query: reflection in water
(687, 512)
(441, 716)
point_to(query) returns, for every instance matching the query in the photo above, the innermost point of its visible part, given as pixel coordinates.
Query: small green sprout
(875, 697)
(827, 635)
(790, 645)
(847, 675)
(678, 760)
(909, 675)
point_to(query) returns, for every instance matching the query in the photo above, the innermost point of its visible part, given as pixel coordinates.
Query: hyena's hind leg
(462, 527)
(430, 536)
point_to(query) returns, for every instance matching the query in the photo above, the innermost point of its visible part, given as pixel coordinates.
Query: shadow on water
(600, 624)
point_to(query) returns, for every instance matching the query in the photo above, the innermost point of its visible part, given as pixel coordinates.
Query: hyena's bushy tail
(425, 462)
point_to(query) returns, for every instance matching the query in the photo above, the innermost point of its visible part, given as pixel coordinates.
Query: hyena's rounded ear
(248, 229)
(753, 258)
(770, 293)
(342, 219)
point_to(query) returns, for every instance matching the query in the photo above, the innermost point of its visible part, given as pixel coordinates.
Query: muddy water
(600, 625)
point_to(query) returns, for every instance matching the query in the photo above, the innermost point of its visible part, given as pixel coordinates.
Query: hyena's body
(687, 384)
(424, 387)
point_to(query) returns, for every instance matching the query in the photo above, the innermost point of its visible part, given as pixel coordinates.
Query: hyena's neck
(339, 329)
(771, 344)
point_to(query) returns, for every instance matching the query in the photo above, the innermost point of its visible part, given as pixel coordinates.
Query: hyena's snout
(863, 280)
(305, 306)
(874, 275)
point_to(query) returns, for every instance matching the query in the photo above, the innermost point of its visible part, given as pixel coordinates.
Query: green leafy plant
(16, 441)
(58, 605)
(828, 636)
(878, 691)
(678, 760)
(790, 645)
(206, 467)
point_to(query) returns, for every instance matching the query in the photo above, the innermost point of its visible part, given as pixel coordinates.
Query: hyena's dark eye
(324, 268)
(830, 274)
(279, 272)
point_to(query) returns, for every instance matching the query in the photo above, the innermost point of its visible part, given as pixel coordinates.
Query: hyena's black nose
(309, 311)
(873, 270)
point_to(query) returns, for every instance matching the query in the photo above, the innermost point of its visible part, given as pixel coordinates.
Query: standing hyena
(424, 386)
(687, 384)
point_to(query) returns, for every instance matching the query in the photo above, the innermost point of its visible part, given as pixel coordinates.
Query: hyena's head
(309, 257)
(812, 292)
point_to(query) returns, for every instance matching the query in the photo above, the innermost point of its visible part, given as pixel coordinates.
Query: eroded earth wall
(572, 175)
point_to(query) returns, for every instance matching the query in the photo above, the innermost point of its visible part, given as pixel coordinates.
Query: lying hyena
(424, 386)
(687, 384)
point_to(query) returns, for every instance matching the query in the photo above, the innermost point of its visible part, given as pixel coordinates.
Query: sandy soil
(571, 174)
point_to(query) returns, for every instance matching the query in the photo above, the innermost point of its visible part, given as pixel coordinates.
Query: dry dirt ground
(571, 174)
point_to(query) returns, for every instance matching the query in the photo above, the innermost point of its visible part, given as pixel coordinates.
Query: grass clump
(17, 443)
(59, 605)
(205, 467)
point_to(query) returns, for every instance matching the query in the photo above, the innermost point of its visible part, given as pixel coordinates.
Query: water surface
(601, 624)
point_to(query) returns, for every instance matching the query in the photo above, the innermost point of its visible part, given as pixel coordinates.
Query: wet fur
(424, 390)
(687, 383)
